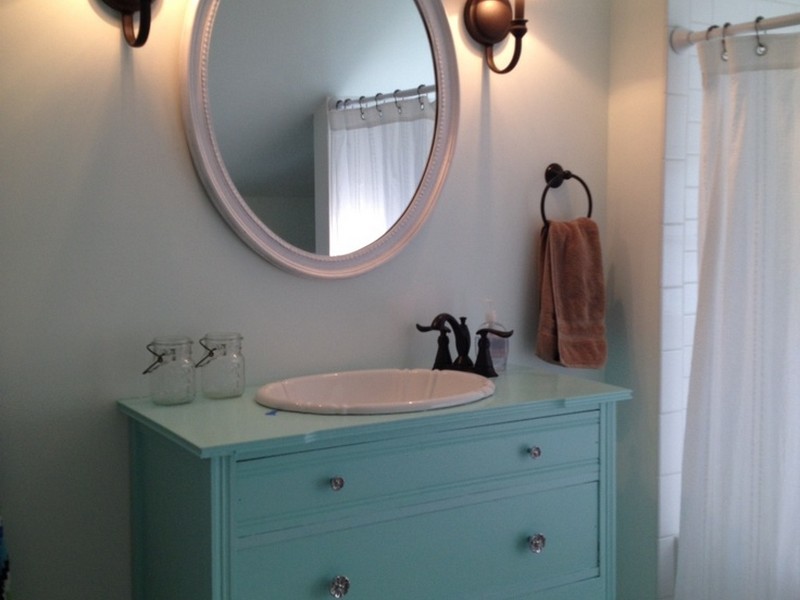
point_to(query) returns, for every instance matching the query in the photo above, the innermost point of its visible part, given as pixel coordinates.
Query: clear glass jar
(222, 368)
(172, 372)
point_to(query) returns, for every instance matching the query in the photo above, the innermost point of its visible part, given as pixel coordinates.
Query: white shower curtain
(376, 163)
(740, 512)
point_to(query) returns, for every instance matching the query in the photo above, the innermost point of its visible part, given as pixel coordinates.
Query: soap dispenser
(498, 348)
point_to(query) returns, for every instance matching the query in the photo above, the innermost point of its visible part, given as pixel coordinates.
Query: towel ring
(555, 175)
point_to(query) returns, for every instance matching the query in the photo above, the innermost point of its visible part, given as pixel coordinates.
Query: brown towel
(572, 312)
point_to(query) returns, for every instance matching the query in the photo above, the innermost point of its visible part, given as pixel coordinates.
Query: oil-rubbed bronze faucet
(482, 366)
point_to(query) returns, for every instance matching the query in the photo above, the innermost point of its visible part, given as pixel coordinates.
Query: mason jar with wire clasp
(172, 371)
(222, 367)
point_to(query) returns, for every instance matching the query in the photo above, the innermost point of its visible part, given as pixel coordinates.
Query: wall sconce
(490, 21)
(128, 8)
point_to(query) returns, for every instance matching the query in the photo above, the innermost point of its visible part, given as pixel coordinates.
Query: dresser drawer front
(312, 482)
(474, 551)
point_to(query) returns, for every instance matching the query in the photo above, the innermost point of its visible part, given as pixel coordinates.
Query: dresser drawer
(311, 483)
(480, 550)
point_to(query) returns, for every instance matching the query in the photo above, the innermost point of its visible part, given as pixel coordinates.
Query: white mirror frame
(229, 202)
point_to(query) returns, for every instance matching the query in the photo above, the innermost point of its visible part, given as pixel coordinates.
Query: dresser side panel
(172, 520)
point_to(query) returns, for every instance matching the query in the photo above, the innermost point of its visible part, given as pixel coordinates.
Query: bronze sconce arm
(490, 21)
(129, 8)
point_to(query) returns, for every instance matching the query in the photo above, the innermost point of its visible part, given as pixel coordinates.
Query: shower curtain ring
(761, 49)
(378, 100)
(361, 107)
(419, 97)
(397, 102)
(724, 55)
(710, 29)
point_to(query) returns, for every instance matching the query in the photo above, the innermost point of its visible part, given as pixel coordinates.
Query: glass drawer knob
(337, 483)
(340, 586)
(535, 452)
(536, 543)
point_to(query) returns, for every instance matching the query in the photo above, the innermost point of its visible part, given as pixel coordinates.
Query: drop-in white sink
(376, 391)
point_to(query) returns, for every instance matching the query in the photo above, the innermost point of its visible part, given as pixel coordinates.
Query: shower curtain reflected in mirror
(377, 155)
(740, 510)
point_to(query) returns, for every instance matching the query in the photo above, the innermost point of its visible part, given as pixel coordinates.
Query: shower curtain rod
(680, 39)
(367, 101)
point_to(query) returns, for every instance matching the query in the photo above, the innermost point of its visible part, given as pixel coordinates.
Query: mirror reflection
(324, 113)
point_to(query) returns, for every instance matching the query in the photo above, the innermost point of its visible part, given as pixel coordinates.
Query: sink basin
(375, 391)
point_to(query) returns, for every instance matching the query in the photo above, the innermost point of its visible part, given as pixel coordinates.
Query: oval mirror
(321, 129)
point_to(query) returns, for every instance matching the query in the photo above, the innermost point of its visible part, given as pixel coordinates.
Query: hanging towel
(572, 310)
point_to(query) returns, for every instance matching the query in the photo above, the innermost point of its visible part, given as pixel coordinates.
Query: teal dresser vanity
(508, 497)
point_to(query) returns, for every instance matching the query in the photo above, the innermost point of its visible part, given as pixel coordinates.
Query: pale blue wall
(637, 99)
(107, 239)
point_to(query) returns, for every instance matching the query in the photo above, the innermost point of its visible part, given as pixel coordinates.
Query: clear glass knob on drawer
(535, 452)
(337, 483)
(340, 585)
(536, 543)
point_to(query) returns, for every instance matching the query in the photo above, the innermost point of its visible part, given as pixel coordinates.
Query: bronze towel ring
(555, 175)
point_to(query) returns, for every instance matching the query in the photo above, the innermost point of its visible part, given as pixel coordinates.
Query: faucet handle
(497, 332)
(443, 359)
(441, 328)
(483, 363)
